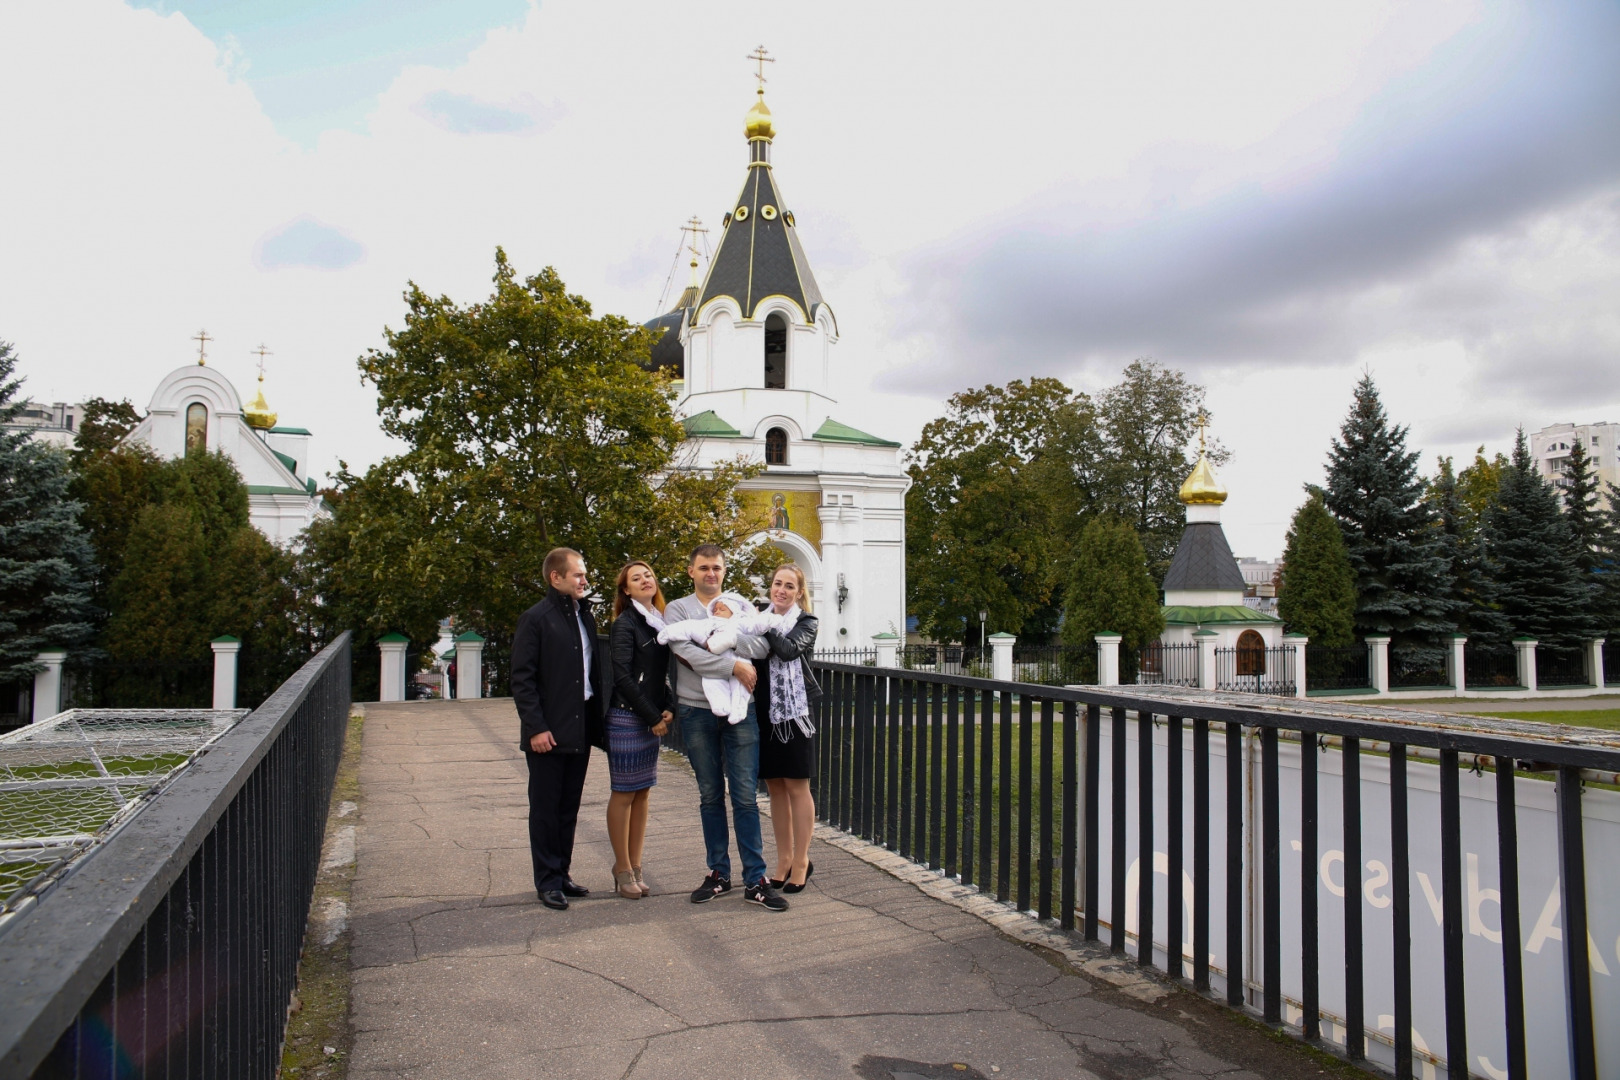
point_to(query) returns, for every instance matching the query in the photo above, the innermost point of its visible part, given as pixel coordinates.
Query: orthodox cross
(694, 226)
(202, 339)
(761, 57)
(1203, 422)
(261, 352)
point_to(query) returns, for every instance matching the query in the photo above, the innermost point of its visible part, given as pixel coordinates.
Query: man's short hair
(557, 562)
(707, 550)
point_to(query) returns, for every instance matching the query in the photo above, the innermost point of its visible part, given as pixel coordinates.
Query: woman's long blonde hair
(803, 599)
(621, 599)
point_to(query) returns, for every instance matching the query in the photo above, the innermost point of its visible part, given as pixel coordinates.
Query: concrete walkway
(459, 972)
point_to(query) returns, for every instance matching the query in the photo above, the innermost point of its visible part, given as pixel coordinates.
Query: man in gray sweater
(724, 751)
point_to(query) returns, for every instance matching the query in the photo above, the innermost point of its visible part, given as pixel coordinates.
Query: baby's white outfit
(727, 697)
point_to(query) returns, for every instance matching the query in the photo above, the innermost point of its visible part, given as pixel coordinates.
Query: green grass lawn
(1608, 719)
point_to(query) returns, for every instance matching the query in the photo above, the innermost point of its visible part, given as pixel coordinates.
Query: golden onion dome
(1201, 487)
(757, 124)
(257, 413)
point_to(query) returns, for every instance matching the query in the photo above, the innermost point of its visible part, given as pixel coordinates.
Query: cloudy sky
(1272, 196)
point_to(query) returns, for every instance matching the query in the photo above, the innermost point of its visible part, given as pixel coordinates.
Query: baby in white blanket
(730, 616)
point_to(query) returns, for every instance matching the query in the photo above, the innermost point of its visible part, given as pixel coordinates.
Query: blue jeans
(726, 755)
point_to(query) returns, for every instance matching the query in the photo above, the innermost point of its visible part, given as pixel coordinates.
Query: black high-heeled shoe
(776, 883)
(789, 887)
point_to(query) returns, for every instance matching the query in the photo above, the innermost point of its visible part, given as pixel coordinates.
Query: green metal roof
(402, 637)
(289, 431)
(291, 463)
(472, 636)
(1189, 615)
(267, 489)
(707, 424)
(833, 431)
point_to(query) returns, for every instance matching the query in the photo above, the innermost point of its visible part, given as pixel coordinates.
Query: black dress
(792, 757)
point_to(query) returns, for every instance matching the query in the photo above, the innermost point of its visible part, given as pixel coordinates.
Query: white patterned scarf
(654, 620)
(790, 706)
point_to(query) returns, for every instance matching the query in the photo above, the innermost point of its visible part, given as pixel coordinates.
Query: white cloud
(307, 243)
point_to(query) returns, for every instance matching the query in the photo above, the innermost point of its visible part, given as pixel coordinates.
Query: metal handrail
(233, 843)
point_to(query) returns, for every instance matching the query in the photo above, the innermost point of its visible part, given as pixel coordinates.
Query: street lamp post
(983, 615)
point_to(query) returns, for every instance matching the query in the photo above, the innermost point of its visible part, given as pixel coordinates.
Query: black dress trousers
(556, 782)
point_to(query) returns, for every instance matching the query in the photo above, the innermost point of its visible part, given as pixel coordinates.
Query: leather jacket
(797, 644)
(640, 668)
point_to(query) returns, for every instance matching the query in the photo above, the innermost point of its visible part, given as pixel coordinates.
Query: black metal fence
(1002, 785)
(1335, 667)
(92, 683)
(16, 704)
(1485, 668)
(1158, 664)
(1611, 663)
(944, 659)
(847, 656)
(1561, 667)
(1411, 669)
(1062, 665)
(1256, 671)
(173, 950)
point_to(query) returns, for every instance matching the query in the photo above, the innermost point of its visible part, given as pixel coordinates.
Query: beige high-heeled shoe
(642, 885)
(625, 882)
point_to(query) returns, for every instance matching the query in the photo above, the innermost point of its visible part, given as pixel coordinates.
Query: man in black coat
(559, 686)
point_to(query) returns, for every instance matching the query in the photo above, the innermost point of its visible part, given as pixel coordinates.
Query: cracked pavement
(460, 972)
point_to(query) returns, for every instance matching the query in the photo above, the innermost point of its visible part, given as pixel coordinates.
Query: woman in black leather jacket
(639, 713)
(785, 695)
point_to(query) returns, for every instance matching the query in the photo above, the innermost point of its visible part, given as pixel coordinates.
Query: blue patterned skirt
(632, 752)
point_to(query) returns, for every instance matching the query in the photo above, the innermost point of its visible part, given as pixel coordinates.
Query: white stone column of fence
(469, 666)
(1001, 662)
(226, 650)
(446, 687)
(392, 685)
(1297, 642)
(1527, 661)
(887, 646)
(1205, 640)
(1108, 658)
(48, 685)
(1456, 668)
(1594, 662)
(1378, 663)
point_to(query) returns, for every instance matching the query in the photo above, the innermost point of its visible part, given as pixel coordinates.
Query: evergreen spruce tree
(45, 559)
(1581, 509)
(1540, 589)
(1403, 577)
(1606, 602)
(1318, 595)
(1473, 572)
(1111, 590)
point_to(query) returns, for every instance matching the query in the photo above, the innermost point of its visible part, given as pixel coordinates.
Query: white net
(67, 783)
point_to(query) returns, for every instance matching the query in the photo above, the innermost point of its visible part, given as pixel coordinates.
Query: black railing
(1256, 671)
(16, 704)
(1486, 668)
(137, 684)
(1335, 667)
(1561, 667)
(1410, 669)
(847, 656)
(1055, 799)
(944, 659)
(172, 951)
(1158, 664)
(1064, 665)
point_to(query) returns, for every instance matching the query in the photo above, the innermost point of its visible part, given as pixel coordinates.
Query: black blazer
(548, 674)
(796, 645)
(640, 668)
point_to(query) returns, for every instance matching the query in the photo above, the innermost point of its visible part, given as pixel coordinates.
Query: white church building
(195, 408)
(753, 349)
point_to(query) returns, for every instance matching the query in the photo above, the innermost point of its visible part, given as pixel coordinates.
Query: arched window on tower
(776, 331)
(196, 428)
(776, 446)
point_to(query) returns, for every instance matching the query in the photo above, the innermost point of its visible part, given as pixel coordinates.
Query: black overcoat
(548, 674)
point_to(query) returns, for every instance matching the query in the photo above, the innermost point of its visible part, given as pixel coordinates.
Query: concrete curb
(1121, 973)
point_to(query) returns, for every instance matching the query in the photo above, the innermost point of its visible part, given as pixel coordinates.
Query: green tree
(1473, 571)
(1403, 579)
(1539, 587)
(1587, 523)
(112, 489)
(980, 533)
(102, 426)
(1110, 588)
(1149, 419)
(528, 423)
(45, 558)
(1318, 595)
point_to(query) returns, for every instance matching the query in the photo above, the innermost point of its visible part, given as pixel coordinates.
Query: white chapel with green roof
(752, 346)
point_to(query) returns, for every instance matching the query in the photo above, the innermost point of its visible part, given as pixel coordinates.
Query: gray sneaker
(712, 886)
(766, 897)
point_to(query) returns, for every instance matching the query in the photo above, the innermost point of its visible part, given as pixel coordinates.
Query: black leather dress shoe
(554, 899)
(574, 888)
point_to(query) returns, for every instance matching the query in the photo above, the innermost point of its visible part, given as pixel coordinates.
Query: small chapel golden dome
(757, 124)
(257, 413)
(1201, 487)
